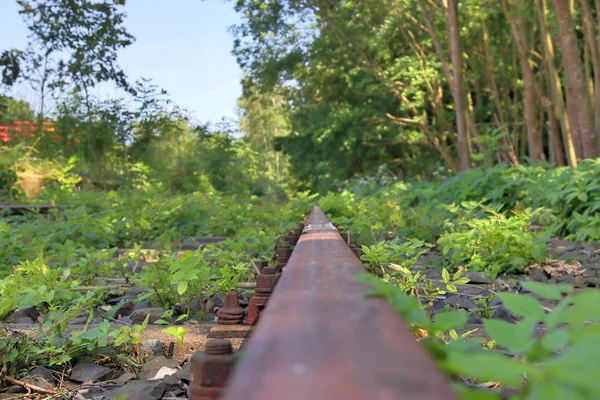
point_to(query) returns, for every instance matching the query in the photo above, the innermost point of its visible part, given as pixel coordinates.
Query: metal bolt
(231, 313)
(210, 370)
(216, 347)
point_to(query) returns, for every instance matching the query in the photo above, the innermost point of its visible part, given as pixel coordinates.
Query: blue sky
(182, 45)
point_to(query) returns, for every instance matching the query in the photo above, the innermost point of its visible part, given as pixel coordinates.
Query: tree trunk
(556, 92)
(458, 88)
(534, 138)
(508, 153)
(426, 13)
(591, 37)
(576, 86)
(554, 129)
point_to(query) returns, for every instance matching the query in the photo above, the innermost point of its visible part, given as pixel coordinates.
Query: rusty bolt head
(291, 239)
(218, 346)
(266, 281)
(260, 264)
(210, 370)
(284, 251)
(231, 313)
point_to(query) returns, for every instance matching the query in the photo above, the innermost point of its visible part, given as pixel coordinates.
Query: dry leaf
(421, 333)
(556, 268)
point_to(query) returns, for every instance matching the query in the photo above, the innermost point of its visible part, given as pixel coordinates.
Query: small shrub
(496, 244)
(392, 262)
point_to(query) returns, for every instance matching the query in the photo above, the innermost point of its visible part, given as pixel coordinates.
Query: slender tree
(458, 84)
(577, 93)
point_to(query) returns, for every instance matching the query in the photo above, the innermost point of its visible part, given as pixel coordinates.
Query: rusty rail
(319, 338)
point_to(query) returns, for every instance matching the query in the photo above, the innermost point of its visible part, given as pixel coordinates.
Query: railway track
(320, 338)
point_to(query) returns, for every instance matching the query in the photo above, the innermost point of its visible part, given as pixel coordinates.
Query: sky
(183, 45)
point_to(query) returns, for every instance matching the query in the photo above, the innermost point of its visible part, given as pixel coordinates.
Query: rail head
(320, 338)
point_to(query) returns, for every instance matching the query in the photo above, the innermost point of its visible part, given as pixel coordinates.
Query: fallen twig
(29, 386)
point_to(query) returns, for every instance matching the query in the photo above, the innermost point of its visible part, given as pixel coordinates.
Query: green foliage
(182, 278)
(49, 291)
(48, 260)
(561, 363)
(10, 63)
(9, 157)
(75, 44)
(496, 244)
(177, 332)
(264, 119)
(128, 217)
(576, 201)
(481, 219)
(392, 263)
(12, 110)
(385, 258)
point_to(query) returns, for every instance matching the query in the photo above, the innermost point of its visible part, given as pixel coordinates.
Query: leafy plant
(177, 332)
(392, 262)
(496, 244)
(486, 306)
(379, 257)
(576, 201)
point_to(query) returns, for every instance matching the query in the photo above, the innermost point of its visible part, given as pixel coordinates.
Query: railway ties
(320, 338)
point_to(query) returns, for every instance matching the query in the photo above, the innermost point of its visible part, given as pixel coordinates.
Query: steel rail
(320, 338)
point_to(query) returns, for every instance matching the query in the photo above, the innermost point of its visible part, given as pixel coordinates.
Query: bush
(576, 202)
(495, 244)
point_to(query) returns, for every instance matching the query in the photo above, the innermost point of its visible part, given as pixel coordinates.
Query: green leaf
(457, 275)
(547, 291)
(181, 317)
(467, 393)
(517, 338)
(112, 313)
(62, 359)
(445, 275)
(556, 340)
(445, 321)
(182, 287)
(583, 309)
(585, 355)
(6, 306)
(523, 306)
(557, 314)
(176, 332)
(488, 366)
(549, 390)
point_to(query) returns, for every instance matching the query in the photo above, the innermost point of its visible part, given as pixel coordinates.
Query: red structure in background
(20, 131)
